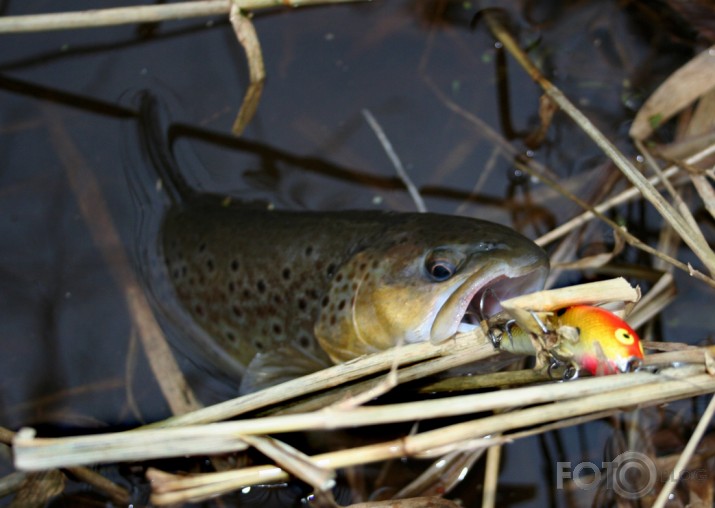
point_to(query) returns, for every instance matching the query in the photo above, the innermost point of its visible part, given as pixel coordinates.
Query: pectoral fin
(283, 364)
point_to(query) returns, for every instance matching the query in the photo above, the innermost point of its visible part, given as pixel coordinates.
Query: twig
(248, 38)
(140, 14)
(399, 168)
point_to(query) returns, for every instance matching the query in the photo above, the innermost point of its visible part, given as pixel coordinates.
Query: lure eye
(624, 336)
(440, 269)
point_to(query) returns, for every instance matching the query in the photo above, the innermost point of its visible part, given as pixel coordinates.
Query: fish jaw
(503, 279)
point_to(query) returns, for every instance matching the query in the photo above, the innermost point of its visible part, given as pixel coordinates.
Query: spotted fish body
(332, 286)
(606, 343)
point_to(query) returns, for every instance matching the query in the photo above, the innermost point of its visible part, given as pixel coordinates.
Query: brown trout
(286, 293)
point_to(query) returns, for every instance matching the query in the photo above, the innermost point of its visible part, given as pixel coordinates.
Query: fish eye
(441, 270)
(624, 336)
(441, 264)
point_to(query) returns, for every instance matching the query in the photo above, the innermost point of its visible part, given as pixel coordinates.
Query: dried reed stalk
(140, 14)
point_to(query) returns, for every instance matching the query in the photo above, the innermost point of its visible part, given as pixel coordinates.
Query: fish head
(606, 345)
(425, 282)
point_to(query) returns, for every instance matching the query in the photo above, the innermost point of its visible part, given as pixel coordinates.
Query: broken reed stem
(41, 453)
(670, 385)
(667, 211)
(248, 38)
(140, 14)
(491, 476)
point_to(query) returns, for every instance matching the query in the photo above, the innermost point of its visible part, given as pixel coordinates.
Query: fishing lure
(586, 337)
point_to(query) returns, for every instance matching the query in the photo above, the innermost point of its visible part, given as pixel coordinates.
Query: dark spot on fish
(184, 271)
(286, 273)
(341, 305)
(331, 270)
(333, 320)
(210, 265)
(363, 266)
(237, 311)
(309, 250)
(277, 329)
(354, 285)
(261, 286)
(231, 287)
(175, 273)
(304, 342)
(318, 265)
(325, 301)
(278, 299)
(312, 293)
(258, 345)
(199, 310)
(375, 264)
(230, 336)
(302, 304)
(202, 247)
(234, 265)
(247, 293)
(339, 277)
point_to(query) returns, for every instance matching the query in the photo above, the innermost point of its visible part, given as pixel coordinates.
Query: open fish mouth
(480, 296)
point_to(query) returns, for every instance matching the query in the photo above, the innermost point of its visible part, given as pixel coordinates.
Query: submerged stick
(93, 207)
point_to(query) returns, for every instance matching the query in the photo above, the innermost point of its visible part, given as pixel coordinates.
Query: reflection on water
(70, 358)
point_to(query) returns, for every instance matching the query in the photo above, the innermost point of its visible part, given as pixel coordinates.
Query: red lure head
(607, 344)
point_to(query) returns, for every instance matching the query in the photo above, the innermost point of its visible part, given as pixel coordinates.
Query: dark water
(68, 114)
